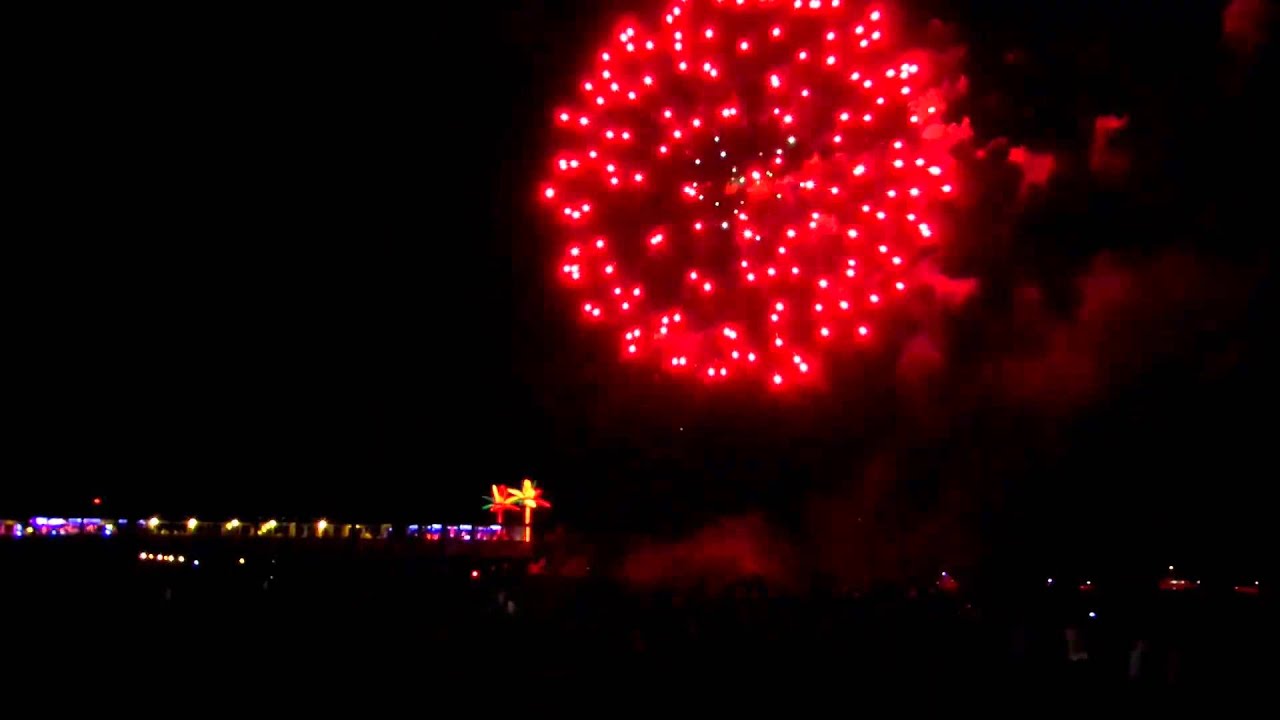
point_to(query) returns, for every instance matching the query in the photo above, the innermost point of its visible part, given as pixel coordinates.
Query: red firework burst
(745, 186)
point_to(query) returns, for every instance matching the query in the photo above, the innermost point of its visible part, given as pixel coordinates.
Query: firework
(743, 186)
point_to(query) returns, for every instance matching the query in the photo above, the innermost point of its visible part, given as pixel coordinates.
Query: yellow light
(321, 525)
(153, 523)
(191, 524)
(241, 561)
(182, 558)
(233, 524)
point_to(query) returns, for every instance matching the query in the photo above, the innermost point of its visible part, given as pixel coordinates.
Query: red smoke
(1130, 314)
(1107, 159)
(1245, 23)
(728, 551)
(1036, 167)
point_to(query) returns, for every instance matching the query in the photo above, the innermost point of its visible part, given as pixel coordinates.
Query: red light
(97, 501)
(475, 574)
(730, 164)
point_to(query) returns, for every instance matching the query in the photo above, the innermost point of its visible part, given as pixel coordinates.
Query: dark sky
(288, 265)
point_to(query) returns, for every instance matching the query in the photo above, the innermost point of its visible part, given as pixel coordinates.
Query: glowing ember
(731, 166)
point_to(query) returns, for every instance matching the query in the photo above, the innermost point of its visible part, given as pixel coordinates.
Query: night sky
(293, 266)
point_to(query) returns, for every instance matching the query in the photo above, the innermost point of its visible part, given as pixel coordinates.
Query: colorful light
(757, 131)
(500, 501)
(529, 497)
